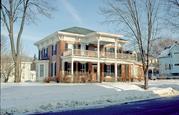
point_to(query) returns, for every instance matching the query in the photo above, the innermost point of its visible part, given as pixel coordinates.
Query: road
(160, 106)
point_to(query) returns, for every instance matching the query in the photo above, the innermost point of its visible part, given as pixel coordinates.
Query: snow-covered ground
(24, 98)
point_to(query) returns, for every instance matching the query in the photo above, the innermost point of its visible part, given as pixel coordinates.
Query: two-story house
(81, 55)
(169, 61)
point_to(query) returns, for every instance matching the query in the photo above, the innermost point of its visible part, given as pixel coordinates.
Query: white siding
(26, 73)
(45, 69)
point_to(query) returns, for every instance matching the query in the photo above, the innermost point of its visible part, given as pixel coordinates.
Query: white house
(28, 72)
(169, 61)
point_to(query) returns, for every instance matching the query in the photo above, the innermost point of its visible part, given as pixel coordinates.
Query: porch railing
(90, 53)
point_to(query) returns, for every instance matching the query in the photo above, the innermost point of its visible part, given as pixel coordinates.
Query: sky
(69, 13)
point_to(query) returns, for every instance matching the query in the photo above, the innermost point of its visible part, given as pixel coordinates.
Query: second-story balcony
(94, 54)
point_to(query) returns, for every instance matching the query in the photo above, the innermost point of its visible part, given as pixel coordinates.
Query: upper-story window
(43, 53)
(54, 49)
(46, 53)
(39, 54)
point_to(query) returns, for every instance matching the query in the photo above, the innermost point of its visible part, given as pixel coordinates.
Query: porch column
(98, 68)
(98, 49)
(116, 61)
(115, 49)
(72, 69)
(115, 71)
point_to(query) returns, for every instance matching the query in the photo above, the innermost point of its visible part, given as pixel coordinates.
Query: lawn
(25, 98)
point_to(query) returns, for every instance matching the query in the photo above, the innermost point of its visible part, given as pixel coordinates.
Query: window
(52, 50)
(55, 67)
(46, 54)
(66, 46)
(83, 67)
(41, 70)
(169, 67)
(68, 67)
(108, 69)
(39, 55)
(55, 51)
(51, 70)
(177, 64)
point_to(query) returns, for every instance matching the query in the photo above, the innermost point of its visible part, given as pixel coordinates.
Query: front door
(94, 72)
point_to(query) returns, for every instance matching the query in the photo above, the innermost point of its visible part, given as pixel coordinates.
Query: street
(163, 106)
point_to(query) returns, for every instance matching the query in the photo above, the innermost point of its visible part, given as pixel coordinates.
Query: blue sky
(83, 13)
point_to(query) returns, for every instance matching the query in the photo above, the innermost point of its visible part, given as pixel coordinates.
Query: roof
(78, 30)
(166, 52)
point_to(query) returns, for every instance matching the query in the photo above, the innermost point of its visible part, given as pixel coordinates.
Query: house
(153, 61)
(82, 55)
(28, 73)
(169, 61)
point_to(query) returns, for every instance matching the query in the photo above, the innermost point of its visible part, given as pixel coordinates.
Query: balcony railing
(90, 53)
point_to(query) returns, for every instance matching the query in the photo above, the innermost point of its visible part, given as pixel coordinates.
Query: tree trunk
(145, 80)
(17, 70)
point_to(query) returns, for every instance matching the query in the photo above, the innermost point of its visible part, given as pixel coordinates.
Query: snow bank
(39, 97)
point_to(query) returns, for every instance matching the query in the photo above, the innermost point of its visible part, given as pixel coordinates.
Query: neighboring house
(81, 55)
(153, 61)
(169, 61)
(28, 72)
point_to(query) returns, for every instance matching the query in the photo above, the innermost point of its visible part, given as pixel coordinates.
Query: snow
(26, 98)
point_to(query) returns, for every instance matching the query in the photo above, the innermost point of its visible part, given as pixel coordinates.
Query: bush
(47, 80)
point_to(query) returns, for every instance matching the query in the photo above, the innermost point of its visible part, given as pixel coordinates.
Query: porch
(82, 72)
(94, 54)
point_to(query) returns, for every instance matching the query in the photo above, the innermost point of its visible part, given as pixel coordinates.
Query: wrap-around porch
(86, 71)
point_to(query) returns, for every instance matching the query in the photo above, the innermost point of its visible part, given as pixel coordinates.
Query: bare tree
(138, 18)
(160, 44)
(7, 67)
(20, 12)
(172, 14)
(6, 63)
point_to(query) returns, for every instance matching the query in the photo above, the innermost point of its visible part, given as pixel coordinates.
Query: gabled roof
(78, 30)
(165, 53)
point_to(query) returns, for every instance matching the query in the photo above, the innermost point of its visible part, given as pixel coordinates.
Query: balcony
(94, 54)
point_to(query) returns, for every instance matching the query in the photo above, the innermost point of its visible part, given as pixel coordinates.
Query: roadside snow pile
(38, 97)
(165, 91)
